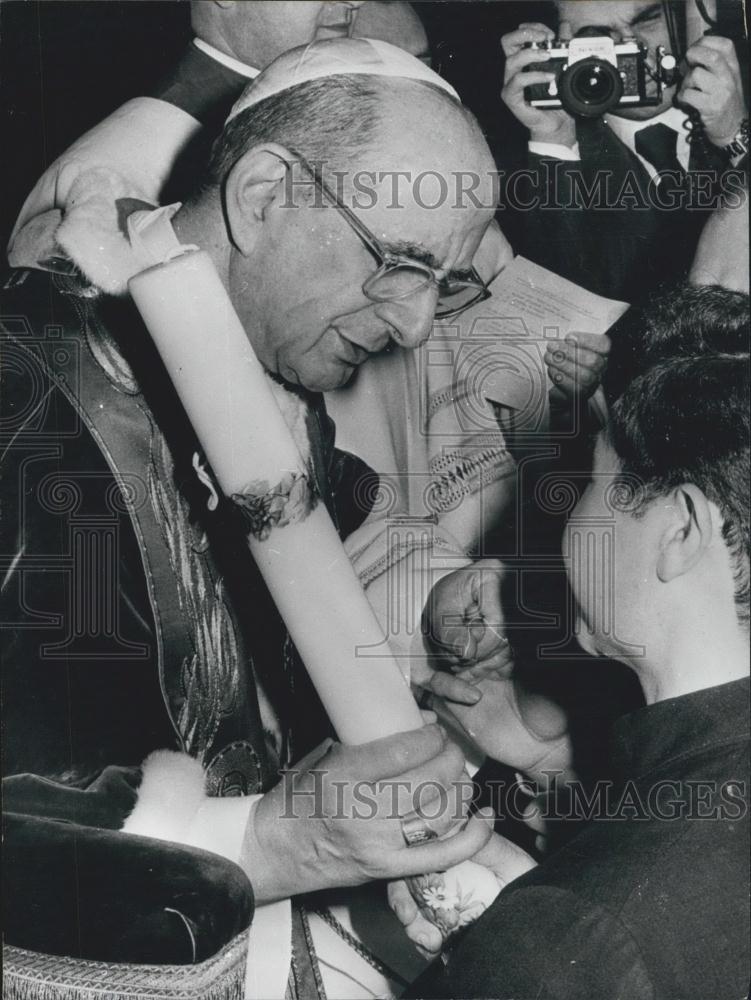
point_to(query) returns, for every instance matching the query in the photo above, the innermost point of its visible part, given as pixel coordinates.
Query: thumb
(314, 756)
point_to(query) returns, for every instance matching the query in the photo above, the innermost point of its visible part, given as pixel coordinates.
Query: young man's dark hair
(645, 897)
(684, 414)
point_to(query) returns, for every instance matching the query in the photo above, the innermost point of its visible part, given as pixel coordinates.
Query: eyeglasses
(399, 276)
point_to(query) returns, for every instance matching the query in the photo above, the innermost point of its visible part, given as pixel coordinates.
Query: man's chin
(316, 381)
(336, 380)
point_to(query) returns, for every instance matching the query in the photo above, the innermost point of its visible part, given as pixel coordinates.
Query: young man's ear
(689, 534)
(254, 183)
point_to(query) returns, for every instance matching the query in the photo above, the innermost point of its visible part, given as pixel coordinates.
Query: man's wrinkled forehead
(626, 14)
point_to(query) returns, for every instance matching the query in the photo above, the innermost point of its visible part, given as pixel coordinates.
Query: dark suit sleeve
(600, 221)
(557, 231)
(542, 942)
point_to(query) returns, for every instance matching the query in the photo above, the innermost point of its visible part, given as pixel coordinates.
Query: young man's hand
(714, 87)
(463, 619)
(576, 365)
(554, 126)
(504, 859)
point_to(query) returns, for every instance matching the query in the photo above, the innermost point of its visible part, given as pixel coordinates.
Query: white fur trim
(172, 805)
(170, 795)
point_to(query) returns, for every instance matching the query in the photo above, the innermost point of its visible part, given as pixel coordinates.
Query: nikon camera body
(596, 74)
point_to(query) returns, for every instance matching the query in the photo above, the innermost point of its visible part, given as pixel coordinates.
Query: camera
(593, 75)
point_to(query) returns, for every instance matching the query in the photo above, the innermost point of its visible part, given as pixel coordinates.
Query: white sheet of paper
(530, 307)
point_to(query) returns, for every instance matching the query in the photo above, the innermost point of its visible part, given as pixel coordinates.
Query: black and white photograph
(375, 412)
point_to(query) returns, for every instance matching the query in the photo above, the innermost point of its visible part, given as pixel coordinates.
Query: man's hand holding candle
(338, 818)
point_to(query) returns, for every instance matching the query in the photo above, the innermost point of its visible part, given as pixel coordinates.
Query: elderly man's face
(259, 31)
(609, 554)
(300, 292)
(641, 19)
(394, 22)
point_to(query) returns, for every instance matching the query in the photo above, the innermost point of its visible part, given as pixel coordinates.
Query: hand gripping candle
(228, 399)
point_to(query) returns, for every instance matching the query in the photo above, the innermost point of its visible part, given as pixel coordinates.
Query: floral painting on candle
(453, 899)
(265, 507)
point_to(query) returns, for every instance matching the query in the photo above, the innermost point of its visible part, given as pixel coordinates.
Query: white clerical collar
(626, 128)
(221, 57)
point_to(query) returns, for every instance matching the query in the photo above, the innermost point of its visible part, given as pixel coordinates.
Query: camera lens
(590, 88)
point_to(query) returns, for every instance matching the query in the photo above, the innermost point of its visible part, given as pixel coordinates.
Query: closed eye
(649, 15)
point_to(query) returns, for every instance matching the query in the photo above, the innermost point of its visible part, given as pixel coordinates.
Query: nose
(601, 31)
(411, 319)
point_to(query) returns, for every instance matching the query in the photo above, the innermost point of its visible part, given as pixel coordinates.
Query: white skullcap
(335, 57)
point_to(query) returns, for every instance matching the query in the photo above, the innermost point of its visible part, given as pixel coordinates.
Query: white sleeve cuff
(556, 150)
(172, 805)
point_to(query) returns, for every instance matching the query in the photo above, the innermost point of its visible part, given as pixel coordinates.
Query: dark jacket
(602, 223)
(651, 900)
(134, 620)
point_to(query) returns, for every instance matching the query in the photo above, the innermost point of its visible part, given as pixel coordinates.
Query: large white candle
(237, 420)
(227, 397)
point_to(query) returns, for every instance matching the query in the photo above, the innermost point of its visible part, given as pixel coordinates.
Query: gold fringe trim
(29, 975)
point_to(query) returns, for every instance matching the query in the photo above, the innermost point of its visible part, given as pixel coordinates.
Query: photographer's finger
(518, 63)
(527, 32)
(702, 54)
(696, 99)
(538, 26)
(518, 83)
(701, 79)
(726, 49)
(564, 31)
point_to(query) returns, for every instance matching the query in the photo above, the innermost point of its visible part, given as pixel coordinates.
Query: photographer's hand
(714, 87)
(551, 126)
